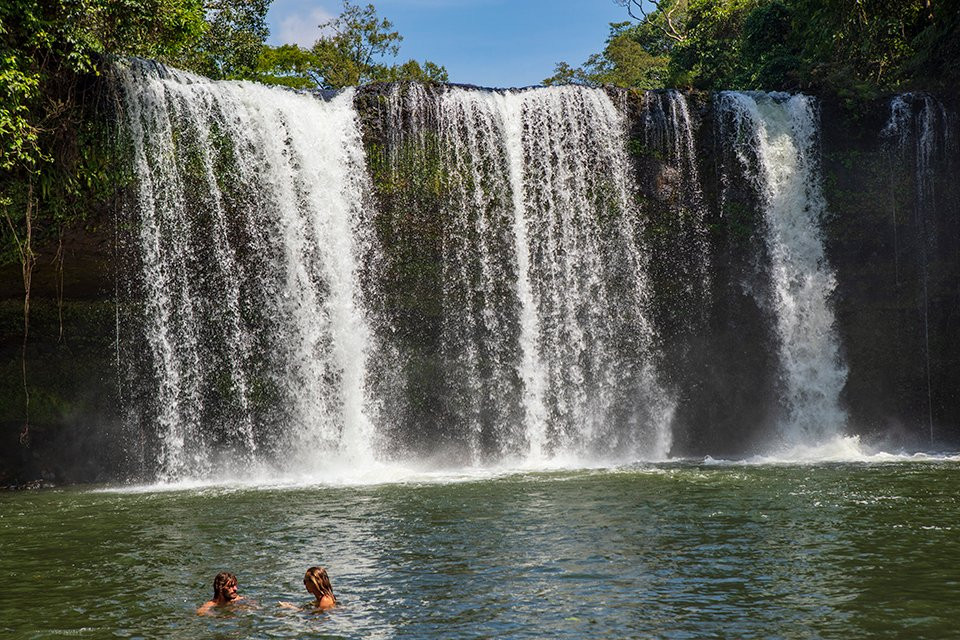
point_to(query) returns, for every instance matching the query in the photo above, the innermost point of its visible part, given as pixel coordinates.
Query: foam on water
(263, 478)
(840, 449)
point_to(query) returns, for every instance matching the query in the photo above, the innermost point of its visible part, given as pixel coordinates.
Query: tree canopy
(849, 47)
(354, 48)
(232, 42)
(44, 45)
(634, 57)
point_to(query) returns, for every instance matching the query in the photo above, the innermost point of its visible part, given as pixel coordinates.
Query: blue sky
(494, 43)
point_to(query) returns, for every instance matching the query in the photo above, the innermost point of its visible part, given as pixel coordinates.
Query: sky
(490, 43)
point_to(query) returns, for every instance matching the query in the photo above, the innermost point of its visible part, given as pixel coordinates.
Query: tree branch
(645, 16)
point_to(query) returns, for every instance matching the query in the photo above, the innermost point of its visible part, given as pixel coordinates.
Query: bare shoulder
(206, 607)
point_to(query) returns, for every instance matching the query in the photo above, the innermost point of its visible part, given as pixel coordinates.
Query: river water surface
(679, 550)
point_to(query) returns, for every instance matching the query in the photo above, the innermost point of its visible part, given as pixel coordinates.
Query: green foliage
(936, 48)
(563, 73)
(710, 55)
(853, 48)
(357, 40)
(630, 59)
(232, 41)
(44, 46)
(49, 49)
(352, 49)
(413, 71)
(287, 65)
(860, 46)
(774, 61)
(18, 136)
(53, 158)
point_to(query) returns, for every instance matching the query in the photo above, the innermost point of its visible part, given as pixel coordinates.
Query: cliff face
(72, 433)
(892, 236)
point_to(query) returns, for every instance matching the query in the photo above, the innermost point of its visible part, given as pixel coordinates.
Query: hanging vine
(27, 261)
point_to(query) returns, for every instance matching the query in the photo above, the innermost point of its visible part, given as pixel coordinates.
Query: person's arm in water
(206, 607)
(324, 603)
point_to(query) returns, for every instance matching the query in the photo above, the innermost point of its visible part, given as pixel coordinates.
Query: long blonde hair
(317, 582)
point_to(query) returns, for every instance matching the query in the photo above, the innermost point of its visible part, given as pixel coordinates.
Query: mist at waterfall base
(295, 308)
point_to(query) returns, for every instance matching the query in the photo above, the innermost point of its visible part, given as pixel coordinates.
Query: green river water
(679, 550)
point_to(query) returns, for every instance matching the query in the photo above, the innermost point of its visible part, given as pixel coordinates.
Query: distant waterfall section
(245, 340)
(547, 348)
(775, 138)
(917, 136)
(668, 136)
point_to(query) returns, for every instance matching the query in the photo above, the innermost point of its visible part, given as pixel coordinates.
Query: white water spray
(775, 137)
(541, 199)
(249, 210)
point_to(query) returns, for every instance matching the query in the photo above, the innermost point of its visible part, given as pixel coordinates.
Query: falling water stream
(256, 235)
(541, 201)
(917, 132)
(250, 216)
(775, 138)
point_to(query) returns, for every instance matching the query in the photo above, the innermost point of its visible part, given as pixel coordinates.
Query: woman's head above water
(317, 582)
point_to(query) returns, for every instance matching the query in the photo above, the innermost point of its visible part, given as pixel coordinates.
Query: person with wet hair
(318, 584)
(224, 592)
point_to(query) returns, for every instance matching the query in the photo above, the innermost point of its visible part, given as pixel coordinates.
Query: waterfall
(249, 218)
(774, 137)
(463, 276)
(917, 135)
(669, 154)
(559, 362)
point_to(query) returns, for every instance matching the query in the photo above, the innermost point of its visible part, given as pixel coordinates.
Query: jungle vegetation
(850, 48)
(54, 162)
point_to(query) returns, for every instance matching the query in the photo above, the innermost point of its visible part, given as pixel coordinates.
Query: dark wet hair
(223, 580)
(317, 578)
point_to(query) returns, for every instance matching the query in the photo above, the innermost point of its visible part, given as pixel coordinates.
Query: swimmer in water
(224, 592)
(318, 584)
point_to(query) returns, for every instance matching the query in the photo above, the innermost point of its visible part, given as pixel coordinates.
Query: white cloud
(297, 28)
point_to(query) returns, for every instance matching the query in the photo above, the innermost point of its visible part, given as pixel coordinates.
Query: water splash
(249, 213)
(775, 139)
(540, 198)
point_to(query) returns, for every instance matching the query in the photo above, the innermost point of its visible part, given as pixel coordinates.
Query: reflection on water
(676, 551)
